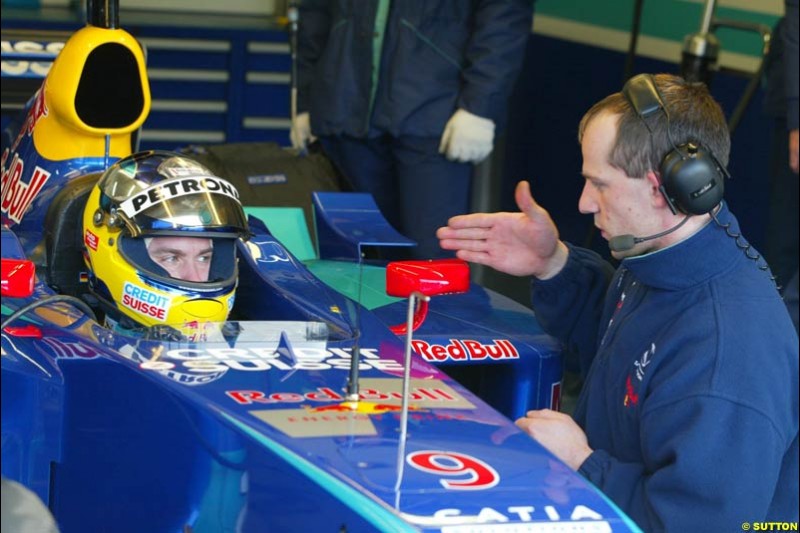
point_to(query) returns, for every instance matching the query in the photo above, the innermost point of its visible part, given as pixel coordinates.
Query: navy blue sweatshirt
(690, 400)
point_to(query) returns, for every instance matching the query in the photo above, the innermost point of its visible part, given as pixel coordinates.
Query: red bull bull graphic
(367, 408)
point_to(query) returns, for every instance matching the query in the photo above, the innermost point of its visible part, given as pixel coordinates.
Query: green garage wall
(664, 24)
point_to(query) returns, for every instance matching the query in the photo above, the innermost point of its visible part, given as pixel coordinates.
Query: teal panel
(344, 278)
(288, 225)
(665, 19)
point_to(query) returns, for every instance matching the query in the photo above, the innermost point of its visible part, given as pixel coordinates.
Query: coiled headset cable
(746, 247)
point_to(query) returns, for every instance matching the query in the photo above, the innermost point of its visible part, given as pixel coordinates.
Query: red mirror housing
(18, 277)
(430, 278)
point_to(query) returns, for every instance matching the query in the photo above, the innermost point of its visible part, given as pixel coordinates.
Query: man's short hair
(694, 115)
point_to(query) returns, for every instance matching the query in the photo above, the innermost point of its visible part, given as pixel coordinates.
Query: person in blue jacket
(688, 418)
(406, 95)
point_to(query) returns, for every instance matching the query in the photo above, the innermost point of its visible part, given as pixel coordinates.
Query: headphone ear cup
(692, 179)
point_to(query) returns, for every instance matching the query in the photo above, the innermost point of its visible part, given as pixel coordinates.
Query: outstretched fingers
(474, 233)
(470, 245)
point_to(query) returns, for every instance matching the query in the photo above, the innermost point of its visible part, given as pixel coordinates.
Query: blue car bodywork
(244, 426)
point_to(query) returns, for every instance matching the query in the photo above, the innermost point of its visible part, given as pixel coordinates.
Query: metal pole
(293, 14)
(635, 30)
(708, 14)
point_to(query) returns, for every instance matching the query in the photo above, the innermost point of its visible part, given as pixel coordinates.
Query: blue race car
(308, 412)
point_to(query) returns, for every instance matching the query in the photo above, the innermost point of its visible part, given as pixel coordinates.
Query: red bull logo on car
(465, 350)
(16, 194)
(325, 394)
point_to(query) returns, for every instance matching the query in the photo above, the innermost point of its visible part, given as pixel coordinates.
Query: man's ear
(657, 193)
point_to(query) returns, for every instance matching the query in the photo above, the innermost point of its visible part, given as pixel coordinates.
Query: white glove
(467, 138)
(300, 133)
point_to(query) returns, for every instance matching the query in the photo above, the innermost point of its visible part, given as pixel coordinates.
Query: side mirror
(418, 281)
(425, 279)
(429, 278)
(17, 276)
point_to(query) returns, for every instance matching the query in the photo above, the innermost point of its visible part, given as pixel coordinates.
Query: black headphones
(692, 179)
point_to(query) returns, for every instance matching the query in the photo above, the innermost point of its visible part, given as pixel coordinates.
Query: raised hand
(521, 244)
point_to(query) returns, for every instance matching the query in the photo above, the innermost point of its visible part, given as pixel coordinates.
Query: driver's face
(186, 258)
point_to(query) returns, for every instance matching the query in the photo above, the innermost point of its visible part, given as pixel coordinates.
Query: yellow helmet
(160, 232)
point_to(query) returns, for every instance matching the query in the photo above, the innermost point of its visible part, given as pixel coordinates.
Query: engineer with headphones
(688, 418)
